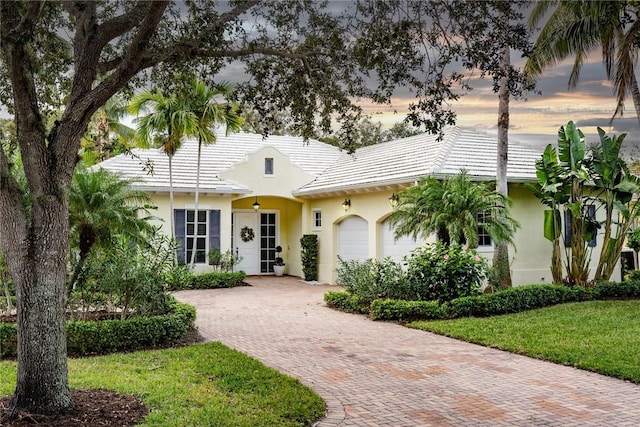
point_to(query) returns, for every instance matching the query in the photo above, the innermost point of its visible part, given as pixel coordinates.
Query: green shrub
(633, 275)
(372, 279)
(214, 280)
(401, 310)
(513, 300)
(626, 289)
(440, 272)
(129, 277)
(309, 256)
(8, 340)
(633, 239)
(345, 301)
(178, 277)
(89, 337)
(223, 262)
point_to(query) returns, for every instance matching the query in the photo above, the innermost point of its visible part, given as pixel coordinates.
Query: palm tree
(165, 125)
(454, 209)
(107, 134)
(201, 100)
(577, 28)
(501, 249)
(101, 206)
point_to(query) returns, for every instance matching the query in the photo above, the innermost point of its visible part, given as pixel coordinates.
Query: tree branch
(16, 33)
(71, 7)
(122, 24)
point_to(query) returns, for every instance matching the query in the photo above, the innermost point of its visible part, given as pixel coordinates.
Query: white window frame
(316, 214)
(484, 248)
(196, 236)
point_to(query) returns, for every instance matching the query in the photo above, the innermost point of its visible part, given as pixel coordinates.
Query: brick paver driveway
(382, 374)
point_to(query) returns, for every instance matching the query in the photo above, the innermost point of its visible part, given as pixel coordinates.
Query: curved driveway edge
(382, 374)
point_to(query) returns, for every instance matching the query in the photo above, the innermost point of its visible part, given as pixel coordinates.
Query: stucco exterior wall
(285, 178)
(530, 259)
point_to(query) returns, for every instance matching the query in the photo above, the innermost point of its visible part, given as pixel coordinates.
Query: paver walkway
(382, 374)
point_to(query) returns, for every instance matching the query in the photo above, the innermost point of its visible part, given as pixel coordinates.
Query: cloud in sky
(535, 122)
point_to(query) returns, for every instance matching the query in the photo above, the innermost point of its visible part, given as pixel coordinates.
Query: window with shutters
(196, 232)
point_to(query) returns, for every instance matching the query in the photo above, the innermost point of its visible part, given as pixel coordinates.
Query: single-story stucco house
(258, 193)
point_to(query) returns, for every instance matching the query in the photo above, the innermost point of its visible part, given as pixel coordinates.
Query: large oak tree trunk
(42, 384)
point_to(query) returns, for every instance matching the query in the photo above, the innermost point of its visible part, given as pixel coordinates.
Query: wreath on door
(247, 234)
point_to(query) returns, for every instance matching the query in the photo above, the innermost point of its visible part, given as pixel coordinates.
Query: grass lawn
(199, 385)
(600, 336)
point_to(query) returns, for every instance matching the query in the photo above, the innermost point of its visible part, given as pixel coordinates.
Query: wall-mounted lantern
(393, 200)
(346, 205)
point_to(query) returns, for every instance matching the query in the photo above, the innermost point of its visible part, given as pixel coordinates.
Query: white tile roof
(312, 156)
(398, 162)
(406, 160)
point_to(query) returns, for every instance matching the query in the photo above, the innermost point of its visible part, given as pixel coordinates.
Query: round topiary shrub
(440, 272)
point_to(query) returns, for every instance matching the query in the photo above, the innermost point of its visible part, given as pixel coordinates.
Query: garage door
(396, 249)
(353, 239)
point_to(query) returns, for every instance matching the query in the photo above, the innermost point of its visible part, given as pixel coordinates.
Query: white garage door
(396, 249)
(353, 239)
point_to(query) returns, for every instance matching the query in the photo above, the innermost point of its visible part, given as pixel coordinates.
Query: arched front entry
(275, 223)
(353, 239)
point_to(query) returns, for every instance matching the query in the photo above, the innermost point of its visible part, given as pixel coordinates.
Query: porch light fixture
(346, 205)
(393, 200)
(256, 205)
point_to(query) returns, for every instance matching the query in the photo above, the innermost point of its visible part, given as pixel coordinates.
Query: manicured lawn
(200, 385)
(600, 336)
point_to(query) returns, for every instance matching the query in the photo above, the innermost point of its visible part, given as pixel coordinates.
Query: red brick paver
(382, 374)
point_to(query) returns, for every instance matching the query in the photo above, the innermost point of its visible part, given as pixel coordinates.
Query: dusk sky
(536, 121)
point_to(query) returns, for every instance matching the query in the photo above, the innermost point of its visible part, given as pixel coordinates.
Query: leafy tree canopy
(62, 61)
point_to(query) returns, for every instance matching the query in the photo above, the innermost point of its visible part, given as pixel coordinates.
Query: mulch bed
(91, 408)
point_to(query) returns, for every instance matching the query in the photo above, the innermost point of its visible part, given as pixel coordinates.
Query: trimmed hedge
(214, 280)
(511, 300)
(86, 337)
(347, 302)
(8, 340)
(401, 310)
(626, 289)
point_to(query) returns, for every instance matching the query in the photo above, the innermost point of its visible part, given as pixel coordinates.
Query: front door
(255, 240)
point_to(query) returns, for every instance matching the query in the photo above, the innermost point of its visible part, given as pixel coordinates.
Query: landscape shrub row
(433, 272)
(98, 337)
(211, 280)
(511, 300)
(346, 302)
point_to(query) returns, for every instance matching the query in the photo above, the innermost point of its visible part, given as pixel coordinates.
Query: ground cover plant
(600, 336)
(216, 386)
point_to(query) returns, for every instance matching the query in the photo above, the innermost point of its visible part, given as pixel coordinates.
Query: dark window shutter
(179, 217)
(214, 229)
(592, 215)
(591, 212)
(567, 228)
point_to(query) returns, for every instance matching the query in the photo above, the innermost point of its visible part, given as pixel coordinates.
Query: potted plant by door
(278, 265)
